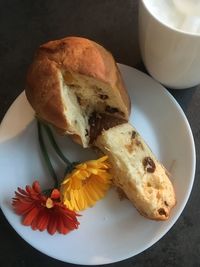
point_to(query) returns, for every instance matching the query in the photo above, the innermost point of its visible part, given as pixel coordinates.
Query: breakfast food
(74, 84)
(72, 78)
(137, 171)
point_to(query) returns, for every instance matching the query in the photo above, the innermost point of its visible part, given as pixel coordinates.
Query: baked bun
(137, 171)
(72, 78)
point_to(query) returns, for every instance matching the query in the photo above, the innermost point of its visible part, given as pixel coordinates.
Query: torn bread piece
(137, 171)
(71, 78)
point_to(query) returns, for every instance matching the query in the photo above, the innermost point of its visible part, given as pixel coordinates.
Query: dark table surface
(24, 25)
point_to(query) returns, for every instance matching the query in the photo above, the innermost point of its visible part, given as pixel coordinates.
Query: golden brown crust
(44, 95)
(121, 87)
(75, 55)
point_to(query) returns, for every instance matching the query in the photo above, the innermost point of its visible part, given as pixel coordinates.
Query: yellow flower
(86, 184)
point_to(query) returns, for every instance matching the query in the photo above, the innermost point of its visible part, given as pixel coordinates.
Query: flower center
(49, 203)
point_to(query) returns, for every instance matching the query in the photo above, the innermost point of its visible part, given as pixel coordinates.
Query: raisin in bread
(70, 79)
(137, 171)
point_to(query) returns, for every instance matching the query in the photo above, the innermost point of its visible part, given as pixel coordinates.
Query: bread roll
(137, 171)
(70, 79)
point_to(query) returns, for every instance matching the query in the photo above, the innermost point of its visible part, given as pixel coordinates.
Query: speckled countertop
(24, 25)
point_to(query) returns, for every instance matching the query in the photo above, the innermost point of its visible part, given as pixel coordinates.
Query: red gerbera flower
(42, 212)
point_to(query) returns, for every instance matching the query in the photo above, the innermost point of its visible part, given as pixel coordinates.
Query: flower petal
(36, 187)
(61, 226)
(52, 225)
(42, 220)
(55, 194)
(29, 217)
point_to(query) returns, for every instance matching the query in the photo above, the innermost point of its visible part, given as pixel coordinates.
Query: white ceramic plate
(112, 230)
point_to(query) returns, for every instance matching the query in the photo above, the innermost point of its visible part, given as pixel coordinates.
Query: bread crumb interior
(83, 96)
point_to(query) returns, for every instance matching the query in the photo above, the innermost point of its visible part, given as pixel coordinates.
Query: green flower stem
(55, 145)
(45, 155)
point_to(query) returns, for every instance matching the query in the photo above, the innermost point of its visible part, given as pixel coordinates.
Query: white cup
(171, 56)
